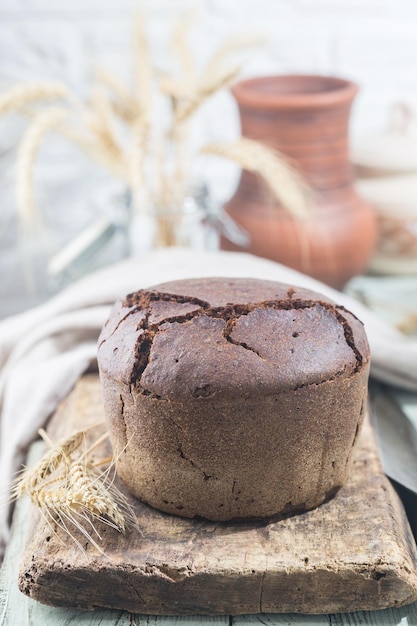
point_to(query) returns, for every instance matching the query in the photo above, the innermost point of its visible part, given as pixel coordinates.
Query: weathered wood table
(370, 577)
(17, 609)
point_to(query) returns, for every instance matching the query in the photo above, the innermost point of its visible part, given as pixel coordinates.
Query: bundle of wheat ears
(116, 129)
(71, 491)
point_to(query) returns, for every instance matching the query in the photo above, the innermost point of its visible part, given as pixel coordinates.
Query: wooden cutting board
(355, 552)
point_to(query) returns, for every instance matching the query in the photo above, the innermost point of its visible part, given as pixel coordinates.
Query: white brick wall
(373, 42)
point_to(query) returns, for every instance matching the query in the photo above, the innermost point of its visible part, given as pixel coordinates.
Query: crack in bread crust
(240, 398)
(142, 301)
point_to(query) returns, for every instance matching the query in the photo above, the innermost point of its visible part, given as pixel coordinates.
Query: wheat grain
(21, 95)
(284, 182)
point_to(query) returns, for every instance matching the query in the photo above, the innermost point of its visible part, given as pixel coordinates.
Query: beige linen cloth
(44, 350)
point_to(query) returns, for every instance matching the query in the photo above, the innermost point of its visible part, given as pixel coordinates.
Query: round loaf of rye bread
(232, 398)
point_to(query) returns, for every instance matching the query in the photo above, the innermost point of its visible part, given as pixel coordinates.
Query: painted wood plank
(402, 616)
(282, 620)
(190, 620)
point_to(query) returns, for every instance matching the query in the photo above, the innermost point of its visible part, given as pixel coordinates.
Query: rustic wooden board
(16, 609)
(353, 553)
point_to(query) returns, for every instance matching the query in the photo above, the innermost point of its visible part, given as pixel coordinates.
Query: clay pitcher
(307, 119)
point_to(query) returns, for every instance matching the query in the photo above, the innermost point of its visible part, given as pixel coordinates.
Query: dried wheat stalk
(205, 89)
(95, 127)
(40, 125)
(142, 71)
(99, 120)
(96, 151)
(180, 48)
(21, 95)
(285, 183)
(123, 103)
(126, 106)
(186, 98)
(136, 162)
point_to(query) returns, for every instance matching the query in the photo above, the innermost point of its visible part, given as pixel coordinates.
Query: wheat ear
(184, 86)
(100, 142)
(180, 48)
(47, 465)
(21, 95)
(123, 103)
(100, 121)
(203, 91)
(86, 493)
(129, 109)
(142, 70)
(59, 506)
(29, 146)
(174, 87)
(284, 182)
(79, 500)
(136, 163)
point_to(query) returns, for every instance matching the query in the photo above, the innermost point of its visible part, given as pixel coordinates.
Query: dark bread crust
(233, 398)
